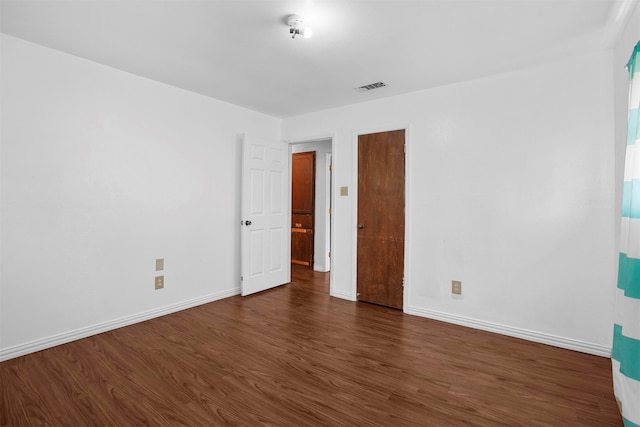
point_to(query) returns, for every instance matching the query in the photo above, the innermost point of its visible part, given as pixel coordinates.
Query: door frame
(332, 198)
(407, 207)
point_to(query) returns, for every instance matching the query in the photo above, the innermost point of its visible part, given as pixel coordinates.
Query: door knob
(247, 223)
(360, 226)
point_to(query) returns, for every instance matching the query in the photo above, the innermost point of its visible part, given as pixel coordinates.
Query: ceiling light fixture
(296, 26)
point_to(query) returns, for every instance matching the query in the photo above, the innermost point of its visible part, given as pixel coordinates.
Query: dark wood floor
(293, 356)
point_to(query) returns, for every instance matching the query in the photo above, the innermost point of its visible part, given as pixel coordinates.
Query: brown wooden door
(303, 182)
(381, 186)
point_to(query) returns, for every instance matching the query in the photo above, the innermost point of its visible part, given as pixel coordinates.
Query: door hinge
(404, 148)
(329, 254)
(330, 167)
(330, 211)
(241, 278)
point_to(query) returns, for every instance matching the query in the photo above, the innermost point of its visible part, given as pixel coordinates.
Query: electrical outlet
(159, 282)
(456, 287)
(159, 264)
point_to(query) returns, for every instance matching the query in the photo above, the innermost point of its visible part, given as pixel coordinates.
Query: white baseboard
(52, 341)
(562, 342)
(44, 343)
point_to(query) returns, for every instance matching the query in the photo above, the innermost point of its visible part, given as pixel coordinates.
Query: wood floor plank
(293, 356)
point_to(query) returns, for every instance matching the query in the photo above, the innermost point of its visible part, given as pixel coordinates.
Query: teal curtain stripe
(628, 423)
(629, 275)
(622, 271)
(626, 351)
(617, 339)
(633, 128)
(634, 61)
(631, 199)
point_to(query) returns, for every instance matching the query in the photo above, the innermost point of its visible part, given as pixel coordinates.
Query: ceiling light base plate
(295, 21)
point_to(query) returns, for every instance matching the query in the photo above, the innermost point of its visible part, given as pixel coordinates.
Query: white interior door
(266, 219)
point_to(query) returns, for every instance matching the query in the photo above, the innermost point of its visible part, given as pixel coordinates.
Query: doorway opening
(311, 225)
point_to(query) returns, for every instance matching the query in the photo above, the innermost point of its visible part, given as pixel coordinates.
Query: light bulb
(307, 33)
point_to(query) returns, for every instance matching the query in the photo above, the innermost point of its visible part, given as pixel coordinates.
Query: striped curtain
(626, 330)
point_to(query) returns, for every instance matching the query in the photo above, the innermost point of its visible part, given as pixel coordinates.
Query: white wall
(321, 238)
(511, 184)
(102, 172)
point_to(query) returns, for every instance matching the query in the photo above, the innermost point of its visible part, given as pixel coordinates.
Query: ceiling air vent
(371, 86)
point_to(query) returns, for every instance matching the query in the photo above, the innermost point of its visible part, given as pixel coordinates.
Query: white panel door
(266, 219)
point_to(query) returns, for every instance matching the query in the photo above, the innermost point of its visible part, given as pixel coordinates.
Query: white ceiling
(240, 51)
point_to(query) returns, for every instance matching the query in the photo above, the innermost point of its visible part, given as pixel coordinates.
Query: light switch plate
(344, 191)
(159, 264)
